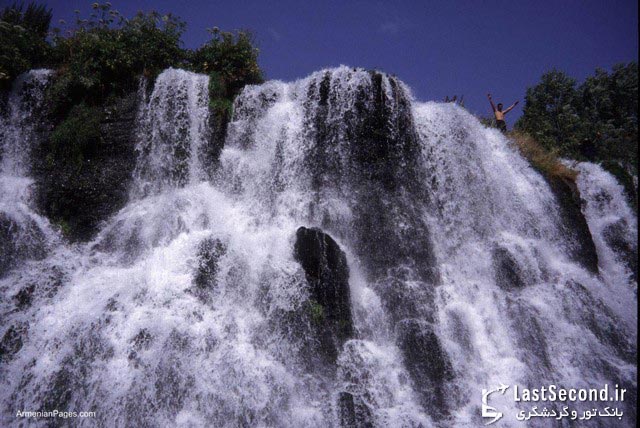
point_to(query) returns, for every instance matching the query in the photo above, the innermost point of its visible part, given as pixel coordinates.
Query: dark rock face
(576, 228)
(352, 412)
(427, 363)
(373, 141)
(75, 369)
(392, 233)
(404, 297)
(603, 323)
(509, 276)
(623, 173)
(327, 273)
(366, 145)
(530, 336)
(205, 278)
(385, 142)
(19, 241)
(615, 236)
(210, 153)
(250, 109)
(84, 196)
(24, 297)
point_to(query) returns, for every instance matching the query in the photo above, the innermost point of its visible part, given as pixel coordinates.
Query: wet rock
(616, 237)
(509, 275)
(586, 310)
(365, 142)
(12, 341)
(624, 174)
(427, 363)
(24, 297)
(530, 336)
(248, 109)
(404, 296)
(385, 145)
(365, 133)
(353, 412)
(391, 232)
(8, 250)
(79, 193)
(327, 274)
(205, 278)
(582, 248)
(142, 340)
(64, 384)
(53, 280)
(173, 384)
(210, 152)
(19, 241)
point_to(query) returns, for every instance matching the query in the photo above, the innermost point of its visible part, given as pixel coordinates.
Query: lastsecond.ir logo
(487, 410)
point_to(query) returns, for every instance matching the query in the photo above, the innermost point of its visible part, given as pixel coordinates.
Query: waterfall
(513, 306)
(23, 233)
(191, 306)
(613, 225)
(172, 128)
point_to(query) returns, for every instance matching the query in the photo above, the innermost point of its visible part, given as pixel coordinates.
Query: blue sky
(438, 48)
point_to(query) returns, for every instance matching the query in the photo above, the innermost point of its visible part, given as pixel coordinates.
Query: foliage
(316, 311)
(23, 35)
(596, 120)
(67, 193)
(101, 56)
(455, 99)
(76, 138)
(609, 111)
(104, 54)
(544, 160)
(231, 60)
(488, 121)
(550, 114)
(64, 227)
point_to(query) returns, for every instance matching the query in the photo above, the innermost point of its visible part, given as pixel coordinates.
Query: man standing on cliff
(499, 113)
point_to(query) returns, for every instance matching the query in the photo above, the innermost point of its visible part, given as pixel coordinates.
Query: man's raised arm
(491, 101)
(511, 107)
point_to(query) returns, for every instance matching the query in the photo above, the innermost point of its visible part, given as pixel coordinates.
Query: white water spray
(188, 308)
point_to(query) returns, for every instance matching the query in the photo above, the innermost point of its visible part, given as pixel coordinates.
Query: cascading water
(191, 308)
(513, 308)
(172, 129)
(23, 233)
(612, 221)
(613, 225)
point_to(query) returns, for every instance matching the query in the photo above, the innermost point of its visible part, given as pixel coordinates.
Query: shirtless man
(499, 113)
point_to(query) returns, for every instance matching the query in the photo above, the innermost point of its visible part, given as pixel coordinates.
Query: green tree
(602, 112)
(609, 112)
(596, 121)
(551, 112)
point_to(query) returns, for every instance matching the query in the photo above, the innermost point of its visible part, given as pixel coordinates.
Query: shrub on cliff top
(231, 59)
(23, 33)
(105, 53)
(102, 55)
